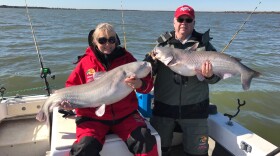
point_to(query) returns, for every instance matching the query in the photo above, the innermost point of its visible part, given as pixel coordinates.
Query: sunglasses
(103, 40)
(187, 20)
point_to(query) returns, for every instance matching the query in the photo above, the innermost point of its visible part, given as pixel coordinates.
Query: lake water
(62, 35)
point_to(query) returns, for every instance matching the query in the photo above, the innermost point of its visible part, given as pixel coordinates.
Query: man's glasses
(103, 40)
(187, 20)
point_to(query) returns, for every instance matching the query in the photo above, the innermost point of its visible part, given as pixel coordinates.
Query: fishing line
(124, 39)
(233, 37)
(44, 71)
(33, 35)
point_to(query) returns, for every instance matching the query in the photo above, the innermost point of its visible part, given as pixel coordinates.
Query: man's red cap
(184, 10)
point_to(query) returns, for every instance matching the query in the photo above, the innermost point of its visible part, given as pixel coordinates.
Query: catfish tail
(44, 113)
(247, 77)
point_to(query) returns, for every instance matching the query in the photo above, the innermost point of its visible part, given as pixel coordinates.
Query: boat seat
(63, 136)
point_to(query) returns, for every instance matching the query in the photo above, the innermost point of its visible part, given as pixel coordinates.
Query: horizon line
(38, 7)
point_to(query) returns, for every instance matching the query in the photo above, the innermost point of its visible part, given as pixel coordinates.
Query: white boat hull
(19, 132)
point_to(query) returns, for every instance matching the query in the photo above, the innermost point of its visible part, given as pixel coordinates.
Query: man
(181, 100)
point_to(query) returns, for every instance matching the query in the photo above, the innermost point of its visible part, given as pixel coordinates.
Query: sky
(157, 5)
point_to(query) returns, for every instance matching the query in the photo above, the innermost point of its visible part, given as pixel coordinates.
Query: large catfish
(188, 63)
(107, 89)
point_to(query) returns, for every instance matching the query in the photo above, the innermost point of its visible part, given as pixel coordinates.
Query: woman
(121, 118)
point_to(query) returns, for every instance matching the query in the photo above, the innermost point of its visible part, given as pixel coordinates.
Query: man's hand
(206, 69)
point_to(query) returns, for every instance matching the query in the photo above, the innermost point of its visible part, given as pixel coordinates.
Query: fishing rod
(124, 39)
(43, 71)
(233, 37)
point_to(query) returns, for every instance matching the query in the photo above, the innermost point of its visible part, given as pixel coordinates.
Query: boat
(22, 134)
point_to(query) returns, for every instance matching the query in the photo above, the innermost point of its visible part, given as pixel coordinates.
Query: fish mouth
(164, 59)
(154, 54)
(147, 64)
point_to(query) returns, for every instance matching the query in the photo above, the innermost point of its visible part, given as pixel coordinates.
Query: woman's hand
(133, 82)
(66, 105)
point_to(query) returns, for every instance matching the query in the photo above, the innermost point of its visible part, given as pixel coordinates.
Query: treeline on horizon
(30, 7)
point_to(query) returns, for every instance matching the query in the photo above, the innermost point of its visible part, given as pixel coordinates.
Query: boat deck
(25, 137)
(214, 150)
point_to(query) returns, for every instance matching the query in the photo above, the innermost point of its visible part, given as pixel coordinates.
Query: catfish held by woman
(108, 88)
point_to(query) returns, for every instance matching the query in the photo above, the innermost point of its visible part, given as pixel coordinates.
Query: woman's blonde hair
(103, 27)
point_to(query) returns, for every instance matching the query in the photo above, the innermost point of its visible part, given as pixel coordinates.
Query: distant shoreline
(30, 7)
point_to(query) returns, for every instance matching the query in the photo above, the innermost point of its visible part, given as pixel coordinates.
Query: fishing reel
(46, 71)
(43, 75)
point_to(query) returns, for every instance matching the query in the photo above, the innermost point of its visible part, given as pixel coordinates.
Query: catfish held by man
(187, 63)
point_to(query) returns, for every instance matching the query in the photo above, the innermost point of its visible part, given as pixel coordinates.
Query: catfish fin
(167, 60)
(193, 48)
(172, 62)
(100, 110)
(227, 75)
(98, 75)
(236, 58)
(199, 75)
(131, 74)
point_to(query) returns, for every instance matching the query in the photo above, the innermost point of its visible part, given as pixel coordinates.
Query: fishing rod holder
(2, 91)
(238, 110)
